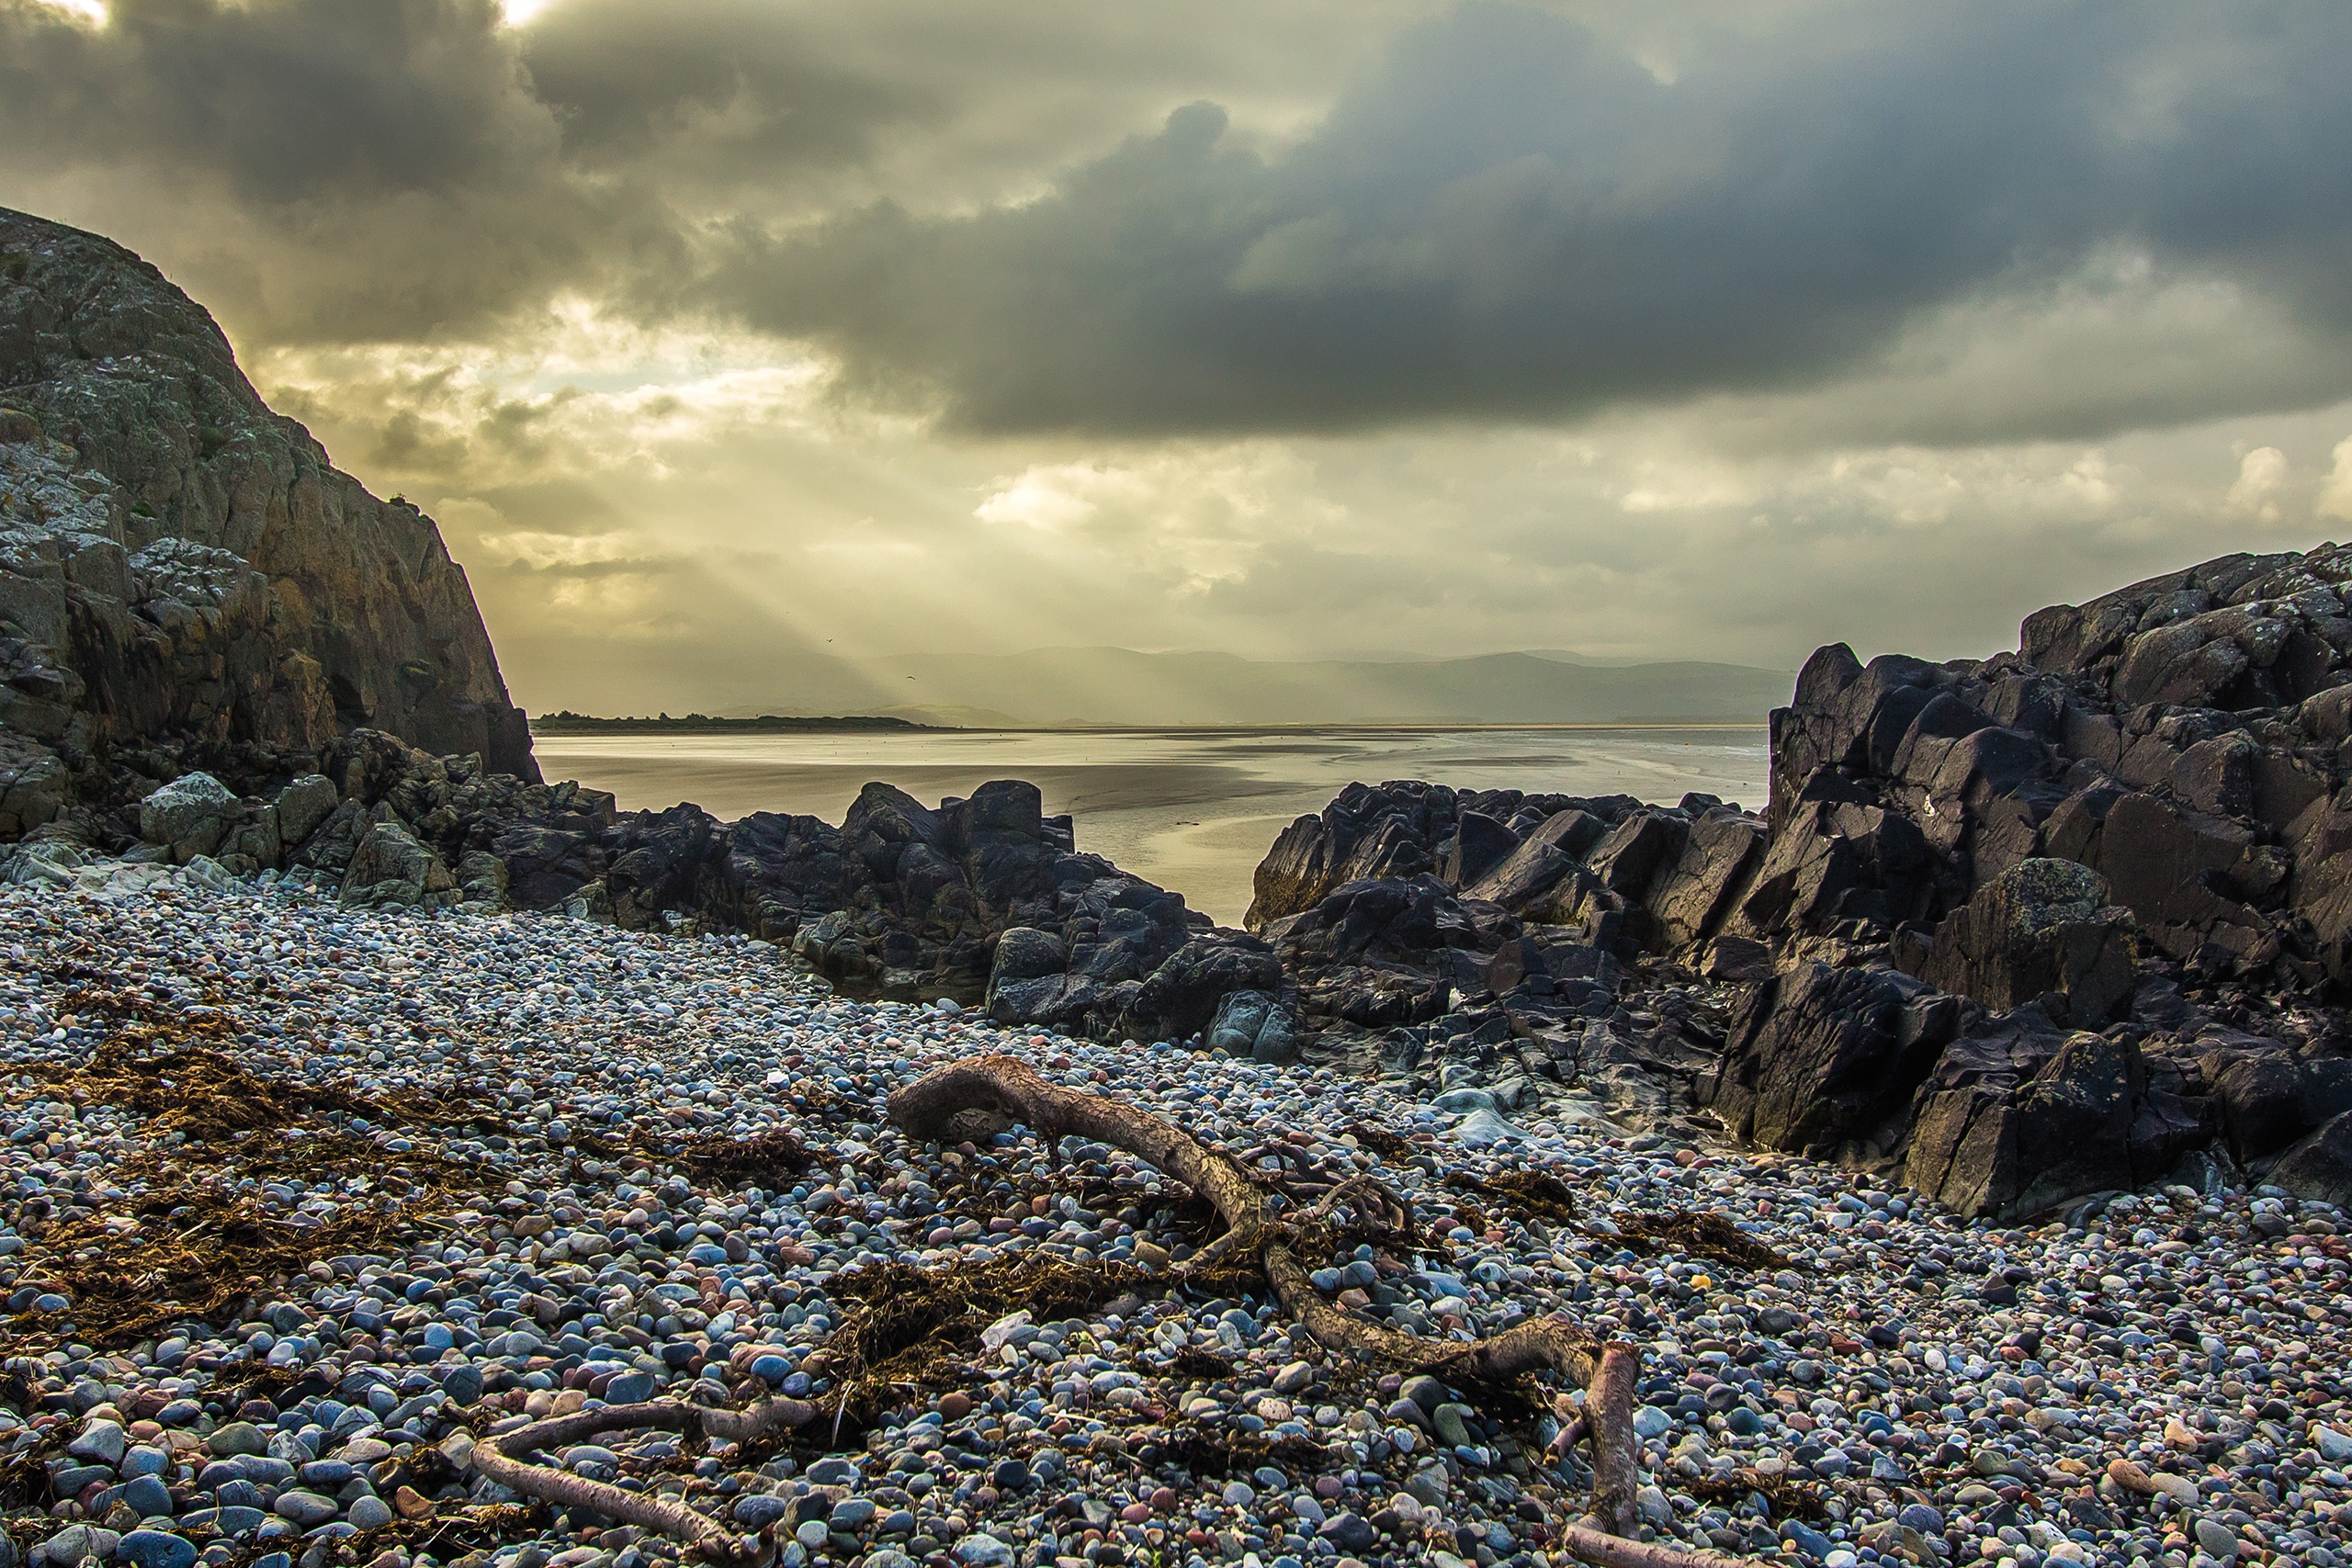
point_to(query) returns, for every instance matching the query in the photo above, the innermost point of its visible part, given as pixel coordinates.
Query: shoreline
(569, 1242)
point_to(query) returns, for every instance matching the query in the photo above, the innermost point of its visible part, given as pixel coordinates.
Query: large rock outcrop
(2026, 927)
(176, 561)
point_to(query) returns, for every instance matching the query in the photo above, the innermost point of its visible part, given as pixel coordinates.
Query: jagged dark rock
(2043, 928)
(2027, 926)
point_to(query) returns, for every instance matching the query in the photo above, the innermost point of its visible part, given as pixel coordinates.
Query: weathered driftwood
(1011, 1089)
(500, 1458)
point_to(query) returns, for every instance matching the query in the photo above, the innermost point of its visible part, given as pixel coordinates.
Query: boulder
(188, 816)
(1479, 842)
(1823, 1058)
(2270, 1095)
(2319, 1167)
(2043, 928)
(1025, 980)
(389, 867)
(1253, 1024)
(1691, 899)
(1180, 996)
(1736, 959)
(1630, 857)
(2077, 1127)
(304, 805)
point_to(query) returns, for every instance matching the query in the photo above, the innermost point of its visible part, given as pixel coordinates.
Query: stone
(2216, 1539)
(156, 1549)
(305, 1508)
(2043, 927)
(188, 816)
(148, 1496)
(102, 1442)
(981, 1551)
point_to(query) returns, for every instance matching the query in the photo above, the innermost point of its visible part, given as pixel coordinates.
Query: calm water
(1193, 811)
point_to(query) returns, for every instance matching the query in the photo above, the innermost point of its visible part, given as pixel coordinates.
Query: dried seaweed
(771, 1159)
(223, 1252)
(1790, 1498)
(1700, 1235)
(1380, 1141)
(1526, 1194)
(196, 1091)
(912, 1328)
(1200, 1452)
(1199, 1366)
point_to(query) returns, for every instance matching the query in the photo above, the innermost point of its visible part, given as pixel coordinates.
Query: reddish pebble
(955, 1407)
(1135, 1513)
(1164, 1498)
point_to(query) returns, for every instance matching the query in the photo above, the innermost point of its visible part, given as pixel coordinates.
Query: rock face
(2043, 927)
(2024, 927)
(176, 561)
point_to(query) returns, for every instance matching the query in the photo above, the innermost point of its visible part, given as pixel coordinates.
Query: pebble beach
(488, 1195)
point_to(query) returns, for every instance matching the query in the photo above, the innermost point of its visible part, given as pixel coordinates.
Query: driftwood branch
(1011, 1088)
(500, 1458)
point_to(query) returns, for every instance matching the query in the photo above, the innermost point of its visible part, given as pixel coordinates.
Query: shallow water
(1193, 811)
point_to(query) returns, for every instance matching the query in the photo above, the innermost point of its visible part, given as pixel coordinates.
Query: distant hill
(569, 723)
(1110, 687)
(1120, 686)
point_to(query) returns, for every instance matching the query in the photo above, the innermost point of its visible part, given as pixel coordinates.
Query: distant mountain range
(1118, 687)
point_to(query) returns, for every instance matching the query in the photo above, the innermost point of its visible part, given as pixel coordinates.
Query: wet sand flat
(1193, 811)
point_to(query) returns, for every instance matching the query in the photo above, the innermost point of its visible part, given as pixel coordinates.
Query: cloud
(722, 91)
(2262, 473)
(353, 171)
(2336, 493)
(1512, 218)
(337, 170)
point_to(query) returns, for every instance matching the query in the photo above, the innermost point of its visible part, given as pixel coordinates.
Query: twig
(496, 1458)
(1006, 1084)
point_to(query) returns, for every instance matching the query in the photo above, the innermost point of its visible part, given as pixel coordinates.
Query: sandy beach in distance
(1192, 810)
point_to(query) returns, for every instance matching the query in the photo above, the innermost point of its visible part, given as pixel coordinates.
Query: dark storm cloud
(289, 101)
(360, 170)
(1513, 219)
(736, 82)
(322, 169)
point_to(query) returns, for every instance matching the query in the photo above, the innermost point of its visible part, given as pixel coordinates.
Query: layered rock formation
(179, 563)
(2024, 929)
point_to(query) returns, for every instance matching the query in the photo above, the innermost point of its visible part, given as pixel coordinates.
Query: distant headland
(569, 723)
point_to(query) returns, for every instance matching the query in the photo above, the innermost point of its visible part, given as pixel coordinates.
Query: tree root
(499, 1458)
(1010, 1087)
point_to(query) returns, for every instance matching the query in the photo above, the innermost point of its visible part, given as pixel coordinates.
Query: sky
(729, 334)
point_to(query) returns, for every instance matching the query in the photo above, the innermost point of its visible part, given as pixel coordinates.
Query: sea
(1193, 809)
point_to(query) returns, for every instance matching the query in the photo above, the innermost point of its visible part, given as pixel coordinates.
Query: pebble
(2150, 1381)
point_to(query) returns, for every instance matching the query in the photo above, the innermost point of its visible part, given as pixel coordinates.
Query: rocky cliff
(178, 561)
(2071, 919)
